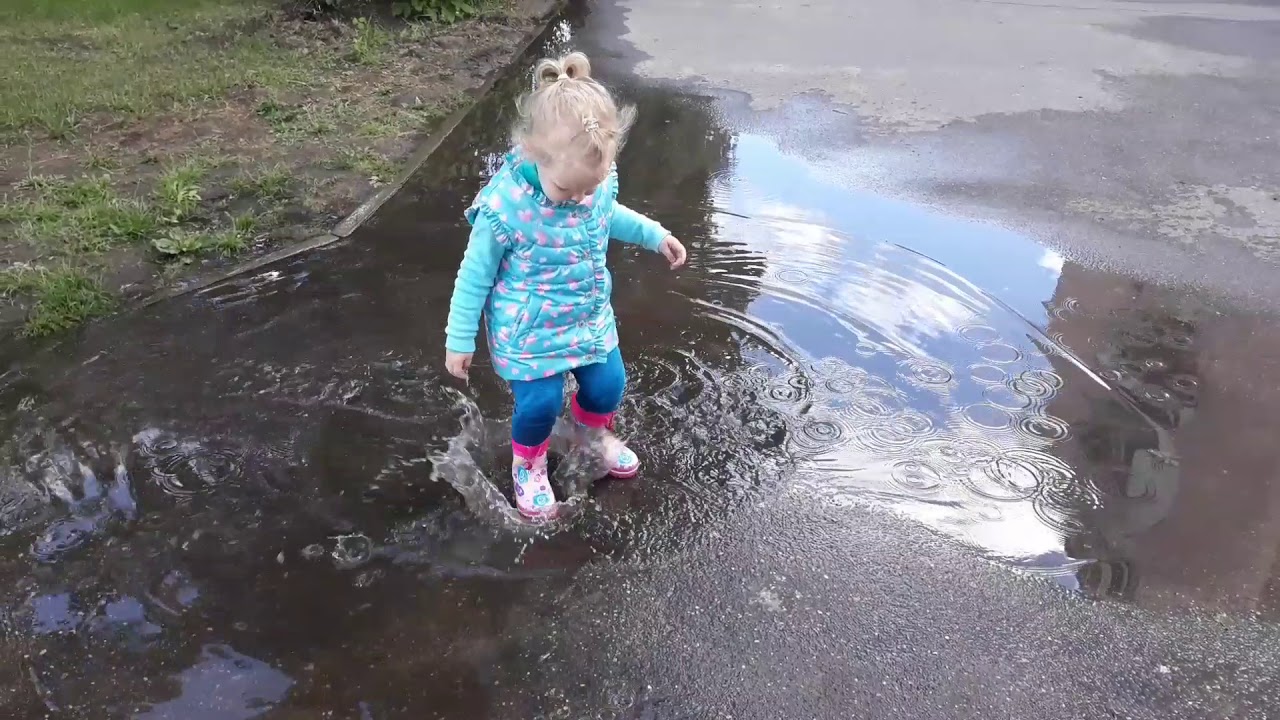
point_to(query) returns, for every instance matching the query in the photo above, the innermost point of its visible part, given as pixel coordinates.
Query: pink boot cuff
(590, 419)
(530, 452)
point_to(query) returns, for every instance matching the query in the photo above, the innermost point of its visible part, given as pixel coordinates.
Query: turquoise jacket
(536, 269)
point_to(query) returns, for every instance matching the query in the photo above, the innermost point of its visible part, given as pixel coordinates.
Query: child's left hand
(673, 250)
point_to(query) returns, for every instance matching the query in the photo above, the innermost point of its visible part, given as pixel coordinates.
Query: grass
(61, 298)
(73, 217)
(178, 195)
(272, 184)
(371, 43)
(367, 163)
(185, 245)
(108, 92)
(66, 60)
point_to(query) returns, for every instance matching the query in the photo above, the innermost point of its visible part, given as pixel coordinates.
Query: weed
(81, 216)
(61, 298)
(178, 195)
(377, 168)
(185, 246)
(270, 184)
(228, 243)
(178, 244)
(100, 162)
(81, 193)
(292, 123)
(371, 43)
(244, 226)
(126, 221)
(40, 183)
(279, 117)
(382, 126)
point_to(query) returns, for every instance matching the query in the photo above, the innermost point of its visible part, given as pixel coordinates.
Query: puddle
(177, 481)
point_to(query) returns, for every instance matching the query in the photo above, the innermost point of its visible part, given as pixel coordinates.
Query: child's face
(563, 183)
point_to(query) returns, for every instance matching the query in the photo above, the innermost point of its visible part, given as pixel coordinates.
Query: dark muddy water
(265, 499)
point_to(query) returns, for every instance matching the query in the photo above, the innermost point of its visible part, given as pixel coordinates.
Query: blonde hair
(570, 118)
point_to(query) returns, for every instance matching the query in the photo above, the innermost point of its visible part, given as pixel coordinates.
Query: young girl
(535, 266)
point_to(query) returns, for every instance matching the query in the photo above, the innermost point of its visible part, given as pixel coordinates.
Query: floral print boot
(534, 498)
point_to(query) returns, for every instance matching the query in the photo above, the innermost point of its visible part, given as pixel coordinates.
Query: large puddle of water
(176, 483)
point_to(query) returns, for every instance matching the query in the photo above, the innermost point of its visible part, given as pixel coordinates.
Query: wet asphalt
(900, 462)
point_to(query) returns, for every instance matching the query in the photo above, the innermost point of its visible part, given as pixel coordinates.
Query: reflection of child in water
(535, 266)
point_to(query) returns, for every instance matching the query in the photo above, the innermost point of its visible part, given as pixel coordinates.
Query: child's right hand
(458, 364)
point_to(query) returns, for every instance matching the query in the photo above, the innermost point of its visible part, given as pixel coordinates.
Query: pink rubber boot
(623, 464)
(534, 498)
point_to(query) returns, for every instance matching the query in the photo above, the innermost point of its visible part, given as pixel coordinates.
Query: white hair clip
(590, 123)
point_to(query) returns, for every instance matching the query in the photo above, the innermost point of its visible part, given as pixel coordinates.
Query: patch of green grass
(270, 184)
(400, 121)
(61, 298)
(184, 246)
(244, 226)
(67, 59)
(294, 123)
(179, 244)
(114, 223)
(99, 161)
(229, 243)
(178, 194)
(279, 116)
(80, 193)
(371, 43)
(374, 166)
(378, 128)
(77, 217)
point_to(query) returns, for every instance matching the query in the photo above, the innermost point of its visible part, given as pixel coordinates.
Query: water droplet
(792, 276)
(895, 433)
(1037, 385)
(986, 416)
(1016, 474)
(871, 405)
(1063, 499)
(916, 477)
(1002, 396)
(790, 389)
(1000, 353)
(818, 434)
(351, 551)
(927, 372)
(1044, 427)
(979, 334)
(987, 374)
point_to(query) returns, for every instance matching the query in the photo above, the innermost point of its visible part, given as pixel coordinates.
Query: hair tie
(590, 123)
(562, 76)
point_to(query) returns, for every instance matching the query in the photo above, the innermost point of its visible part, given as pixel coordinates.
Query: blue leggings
(540, 402)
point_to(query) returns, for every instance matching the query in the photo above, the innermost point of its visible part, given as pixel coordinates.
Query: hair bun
(574, 66)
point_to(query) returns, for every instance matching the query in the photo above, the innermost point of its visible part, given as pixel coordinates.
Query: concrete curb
(547, 14)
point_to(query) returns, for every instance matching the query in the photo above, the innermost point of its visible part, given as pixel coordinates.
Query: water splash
(467, 455)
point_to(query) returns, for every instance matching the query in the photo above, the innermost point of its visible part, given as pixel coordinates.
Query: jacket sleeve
(633, 228)
(471, 289)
